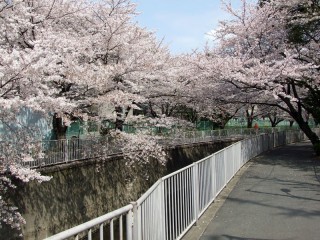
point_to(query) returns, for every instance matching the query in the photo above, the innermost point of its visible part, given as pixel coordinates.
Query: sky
(182, 23)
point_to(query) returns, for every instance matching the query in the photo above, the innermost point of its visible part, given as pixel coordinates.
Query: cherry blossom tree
(167, 95)
(260, 56)
(135, 76)
(206, 93)
(276, 115)
(22, 61)
(86, 50)
(58, 58)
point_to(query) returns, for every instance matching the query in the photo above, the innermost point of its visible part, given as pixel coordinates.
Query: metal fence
(175, 202)
(63, 151)
(67, 150)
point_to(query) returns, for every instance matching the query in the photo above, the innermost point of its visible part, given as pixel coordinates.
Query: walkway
(277, 197)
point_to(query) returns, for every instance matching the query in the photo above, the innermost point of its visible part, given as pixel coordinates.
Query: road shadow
(229, 237)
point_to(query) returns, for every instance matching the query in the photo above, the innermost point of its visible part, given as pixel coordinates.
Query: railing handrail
(177, 171)
(92, 223)
(148, 192)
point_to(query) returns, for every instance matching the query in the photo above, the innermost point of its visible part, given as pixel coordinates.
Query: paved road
(277, 197)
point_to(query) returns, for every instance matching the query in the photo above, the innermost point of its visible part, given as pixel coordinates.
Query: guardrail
(67, 150)
(175, 202)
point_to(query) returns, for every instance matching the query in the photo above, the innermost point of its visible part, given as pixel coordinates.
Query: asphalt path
(277, 197)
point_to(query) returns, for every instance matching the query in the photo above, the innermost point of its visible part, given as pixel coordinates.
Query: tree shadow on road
(229, 237)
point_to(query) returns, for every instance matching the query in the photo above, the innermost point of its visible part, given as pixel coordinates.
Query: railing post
(213, 175)
(135, 222)
(195, 182)
(225, 166)
(163, 212)
(129, 225)
(66, 150)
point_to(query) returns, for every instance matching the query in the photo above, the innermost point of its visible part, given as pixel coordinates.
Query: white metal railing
(98, 226)
(175, 202)
(66, 150)
(63, 151)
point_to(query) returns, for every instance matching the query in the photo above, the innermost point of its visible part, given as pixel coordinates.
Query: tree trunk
(250, 117)
(313, 137)
(274, 120)
(59, 129)
(304, 126)
(150, 111)
(121, 117)
(291, 123)
(224, 121)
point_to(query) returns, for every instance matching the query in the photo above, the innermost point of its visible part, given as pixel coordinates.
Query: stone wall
(80, 191)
